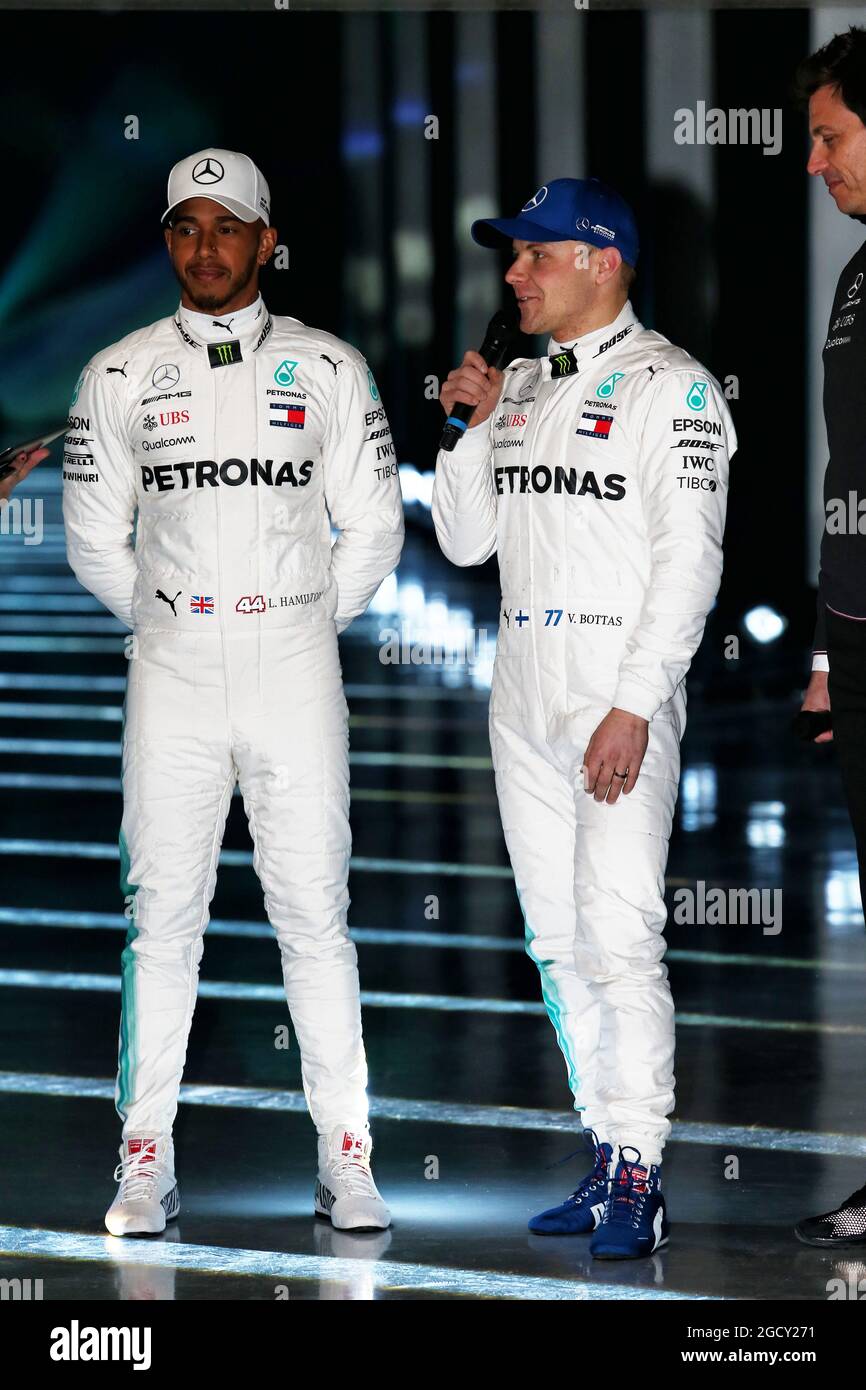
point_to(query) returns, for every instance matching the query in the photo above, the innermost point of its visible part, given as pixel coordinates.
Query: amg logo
(166, 396)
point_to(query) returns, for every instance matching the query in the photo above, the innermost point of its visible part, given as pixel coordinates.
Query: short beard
(210, 303)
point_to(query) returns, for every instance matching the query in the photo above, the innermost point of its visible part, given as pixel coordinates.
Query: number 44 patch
(251, 603)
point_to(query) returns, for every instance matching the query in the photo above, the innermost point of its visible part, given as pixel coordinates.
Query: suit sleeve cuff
(473, 447)
(636, 699)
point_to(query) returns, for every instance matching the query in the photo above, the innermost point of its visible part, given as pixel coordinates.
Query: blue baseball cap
(567, 210)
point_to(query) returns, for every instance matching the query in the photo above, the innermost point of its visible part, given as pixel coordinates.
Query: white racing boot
(147, 1195)
(345, 1190)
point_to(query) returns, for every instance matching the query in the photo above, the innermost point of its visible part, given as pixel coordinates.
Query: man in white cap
(238, 439)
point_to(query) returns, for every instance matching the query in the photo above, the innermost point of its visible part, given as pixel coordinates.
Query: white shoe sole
(121, 1223)
(367, 1221)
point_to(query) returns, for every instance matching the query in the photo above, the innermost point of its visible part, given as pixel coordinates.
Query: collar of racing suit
(607, 339)
(246, 326)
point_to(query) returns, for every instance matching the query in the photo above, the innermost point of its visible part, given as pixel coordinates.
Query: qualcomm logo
(285, 373)
(537, 200)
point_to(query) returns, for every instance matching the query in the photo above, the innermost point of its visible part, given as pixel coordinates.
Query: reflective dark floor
(468, 1089)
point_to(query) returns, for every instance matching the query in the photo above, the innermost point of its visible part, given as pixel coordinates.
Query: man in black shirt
(833, 81)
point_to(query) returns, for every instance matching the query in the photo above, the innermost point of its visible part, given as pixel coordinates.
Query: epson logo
(699, 426)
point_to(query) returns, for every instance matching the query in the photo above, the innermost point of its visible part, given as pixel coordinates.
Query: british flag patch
(201, 603)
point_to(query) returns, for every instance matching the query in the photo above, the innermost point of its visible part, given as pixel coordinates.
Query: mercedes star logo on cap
(208, 171)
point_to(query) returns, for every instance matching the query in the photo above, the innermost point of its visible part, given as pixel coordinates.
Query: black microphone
(501, 332)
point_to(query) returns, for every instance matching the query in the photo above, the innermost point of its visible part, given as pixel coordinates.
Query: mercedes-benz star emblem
(538, 198)
(208, 171)
(166, 375)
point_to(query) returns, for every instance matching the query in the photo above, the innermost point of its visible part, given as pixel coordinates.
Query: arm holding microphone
(464, 498)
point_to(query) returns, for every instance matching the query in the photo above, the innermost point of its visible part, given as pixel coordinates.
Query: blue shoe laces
(628, 1192)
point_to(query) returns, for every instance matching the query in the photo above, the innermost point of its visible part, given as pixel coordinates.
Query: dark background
(82, 262)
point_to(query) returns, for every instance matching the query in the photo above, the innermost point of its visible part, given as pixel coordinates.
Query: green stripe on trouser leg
(552, 1002)
(127, 1043)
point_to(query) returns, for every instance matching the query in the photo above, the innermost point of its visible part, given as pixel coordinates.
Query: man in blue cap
(598, 475)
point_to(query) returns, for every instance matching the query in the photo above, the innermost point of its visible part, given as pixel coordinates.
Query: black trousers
(846, 651)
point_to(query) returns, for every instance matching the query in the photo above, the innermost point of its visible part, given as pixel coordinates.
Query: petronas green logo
(697, 395)
(608, 386)
(285, 373)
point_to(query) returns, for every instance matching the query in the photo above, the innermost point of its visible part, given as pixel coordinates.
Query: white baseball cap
(229, 178)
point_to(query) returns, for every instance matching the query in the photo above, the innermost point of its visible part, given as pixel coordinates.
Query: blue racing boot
(634, 1222)
(581, 1212)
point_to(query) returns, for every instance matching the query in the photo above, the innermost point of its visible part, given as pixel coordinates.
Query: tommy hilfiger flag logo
(201, 603)
(288, 417)
(594, 424)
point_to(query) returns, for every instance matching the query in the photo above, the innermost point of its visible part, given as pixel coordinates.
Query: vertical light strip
(833, 239)
(413, 251)
(476, 157)
(678, 55)
(561, 97)
(679, 51)
(362, 161)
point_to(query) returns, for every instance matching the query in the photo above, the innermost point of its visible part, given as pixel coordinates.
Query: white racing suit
(237, 447)
(603, 494)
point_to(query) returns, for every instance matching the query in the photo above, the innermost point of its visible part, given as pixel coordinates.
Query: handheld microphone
(501, 332)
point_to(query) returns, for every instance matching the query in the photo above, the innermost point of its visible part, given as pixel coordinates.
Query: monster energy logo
(224, 354)
(563, 364)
